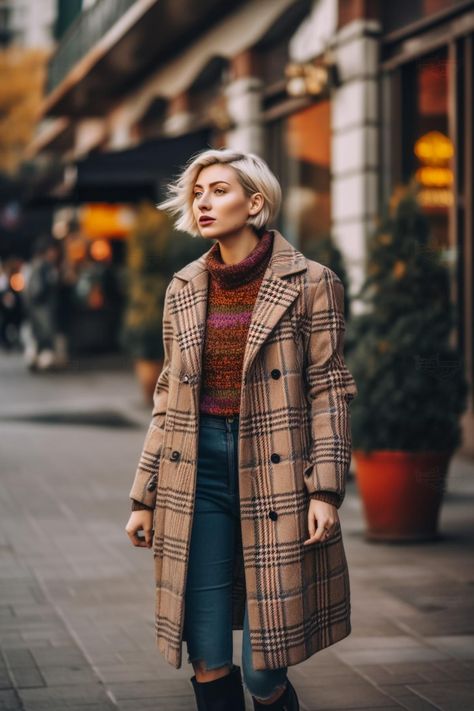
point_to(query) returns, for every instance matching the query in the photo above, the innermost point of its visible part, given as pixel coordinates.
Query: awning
(130, 175)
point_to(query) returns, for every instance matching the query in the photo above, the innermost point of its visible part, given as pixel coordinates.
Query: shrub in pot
(411, 385)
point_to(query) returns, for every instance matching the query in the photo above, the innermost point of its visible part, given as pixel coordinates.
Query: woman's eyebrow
(214, 183)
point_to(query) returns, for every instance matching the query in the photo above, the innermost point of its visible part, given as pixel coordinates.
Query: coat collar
(285, 260)
(188, 305)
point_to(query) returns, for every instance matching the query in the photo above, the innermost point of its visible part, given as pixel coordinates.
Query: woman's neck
(234, 248)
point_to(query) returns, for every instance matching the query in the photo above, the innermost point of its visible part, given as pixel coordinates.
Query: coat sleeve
(146, 475)
(330, 388)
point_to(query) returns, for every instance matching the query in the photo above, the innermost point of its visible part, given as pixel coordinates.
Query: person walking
(41, 297)
(243, 467)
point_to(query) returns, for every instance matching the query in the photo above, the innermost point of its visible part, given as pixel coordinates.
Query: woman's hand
(322, 520)
(140, 521)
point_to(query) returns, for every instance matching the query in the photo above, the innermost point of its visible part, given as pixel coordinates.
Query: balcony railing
(84, 33)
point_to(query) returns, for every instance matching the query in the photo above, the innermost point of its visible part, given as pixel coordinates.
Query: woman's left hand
(322, 520)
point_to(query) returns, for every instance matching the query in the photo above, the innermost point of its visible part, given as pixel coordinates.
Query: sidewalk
(76, 599)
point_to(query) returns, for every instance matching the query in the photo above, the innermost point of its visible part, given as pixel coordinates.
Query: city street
(76, 599)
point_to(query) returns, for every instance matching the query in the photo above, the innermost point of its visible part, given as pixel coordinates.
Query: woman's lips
(206, 220)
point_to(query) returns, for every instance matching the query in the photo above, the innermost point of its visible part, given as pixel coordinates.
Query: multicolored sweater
(232, 292)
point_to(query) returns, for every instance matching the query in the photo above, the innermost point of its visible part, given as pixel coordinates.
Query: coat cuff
(140, 506)
(328, 496)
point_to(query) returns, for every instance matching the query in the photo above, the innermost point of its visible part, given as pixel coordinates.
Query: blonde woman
(243, 468)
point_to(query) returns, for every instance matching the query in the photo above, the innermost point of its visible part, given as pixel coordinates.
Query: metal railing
(86, 30)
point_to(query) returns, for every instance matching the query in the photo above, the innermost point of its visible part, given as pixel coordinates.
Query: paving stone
(69, 675)
(457, 696)
(346, 696)
(150, 689)
(92, 693)
(9, 701)
(459, 646)
(388, 656)
(27, 677)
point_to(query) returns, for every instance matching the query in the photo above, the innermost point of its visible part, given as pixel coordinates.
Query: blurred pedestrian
(248, 446)
(42, 292)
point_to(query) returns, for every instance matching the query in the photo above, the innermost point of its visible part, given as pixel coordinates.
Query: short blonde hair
(253, 174)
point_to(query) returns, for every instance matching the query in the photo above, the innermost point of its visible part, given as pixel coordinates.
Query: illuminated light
(434, 148)
(60, 229)
(435, 198)
(100, 250)
(303, 79)
(103, 220)
(17, 281)
(434, 177)
(296, 86)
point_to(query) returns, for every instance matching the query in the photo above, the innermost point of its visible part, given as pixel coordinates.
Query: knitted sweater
(232, 292)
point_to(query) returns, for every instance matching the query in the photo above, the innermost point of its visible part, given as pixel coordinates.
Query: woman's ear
(256, 203)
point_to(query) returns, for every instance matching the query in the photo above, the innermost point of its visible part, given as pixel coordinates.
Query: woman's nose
(204, 201)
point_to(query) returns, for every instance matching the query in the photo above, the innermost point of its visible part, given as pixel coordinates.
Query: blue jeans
(208, 602)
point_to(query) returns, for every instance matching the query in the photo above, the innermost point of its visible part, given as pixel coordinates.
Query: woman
(244, 464)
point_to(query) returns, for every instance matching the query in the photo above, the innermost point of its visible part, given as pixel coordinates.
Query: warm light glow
(17, 281)
(437, 197)
(100, 250)
(434, 148)
(305, 79)
(60, 229)
(106, 221)
(434, 177)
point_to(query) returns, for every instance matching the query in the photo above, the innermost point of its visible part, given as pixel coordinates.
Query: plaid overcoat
(295, 399)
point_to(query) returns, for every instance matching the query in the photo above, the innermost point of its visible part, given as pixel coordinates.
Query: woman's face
(220, 205)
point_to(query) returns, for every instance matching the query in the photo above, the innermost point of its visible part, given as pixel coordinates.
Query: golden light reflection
(435, 177)
(100, 250)
(17, 281)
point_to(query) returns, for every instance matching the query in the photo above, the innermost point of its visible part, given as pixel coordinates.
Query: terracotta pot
(147, 372)
(401, 493)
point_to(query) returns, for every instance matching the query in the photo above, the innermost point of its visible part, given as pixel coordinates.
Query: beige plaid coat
(295, 398)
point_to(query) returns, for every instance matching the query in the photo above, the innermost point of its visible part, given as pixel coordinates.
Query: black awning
(136, 173)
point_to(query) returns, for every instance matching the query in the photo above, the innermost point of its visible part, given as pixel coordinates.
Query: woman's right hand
(141, 520)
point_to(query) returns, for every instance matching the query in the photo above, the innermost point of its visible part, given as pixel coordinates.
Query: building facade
(346, 99)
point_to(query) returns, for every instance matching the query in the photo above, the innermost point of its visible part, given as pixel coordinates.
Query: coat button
(152, 485)
(185, 378)
(174, 456)
(273, 515)
(275, 458)
(275, 373)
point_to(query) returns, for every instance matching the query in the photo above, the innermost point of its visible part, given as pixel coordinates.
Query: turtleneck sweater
(232, 292)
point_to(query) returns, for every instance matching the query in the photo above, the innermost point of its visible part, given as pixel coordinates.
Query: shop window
(298, 150)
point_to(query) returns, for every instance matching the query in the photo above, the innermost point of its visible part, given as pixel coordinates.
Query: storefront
(427, 120)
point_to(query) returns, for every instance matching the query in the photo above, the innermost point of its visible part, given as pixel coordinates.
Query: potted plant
(411, 384)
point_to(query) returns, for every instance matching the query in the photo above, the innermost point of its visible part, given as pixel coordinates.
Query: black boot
(288, 701)
(223, 694)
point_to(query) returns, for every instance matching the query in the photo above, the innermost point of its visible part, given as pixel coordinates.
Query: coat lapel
(188, 306)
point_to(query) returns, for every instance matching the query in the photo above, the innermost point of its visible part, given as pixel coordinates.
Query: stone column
(179, 118)
(355, 126)
(244, 104)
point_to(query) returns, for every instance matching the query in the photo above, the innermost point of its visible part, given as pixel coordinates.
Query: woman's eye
(196, 195)
(220, 190)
